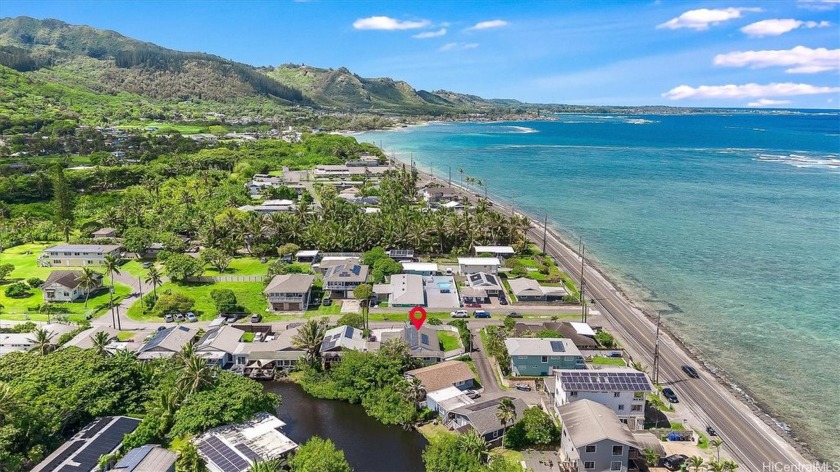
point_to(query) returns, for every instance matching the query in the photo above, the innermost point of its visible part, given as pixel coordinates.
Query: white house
(270, 206)
(498, 251)
(65, 286)
(472, 265)
(621, 389)
(77, 255)
(420, 268)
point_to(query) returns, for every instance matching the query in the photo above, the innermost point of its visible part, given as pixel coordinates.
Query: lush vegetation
(536, 428)
(464, 452)
(319, 455)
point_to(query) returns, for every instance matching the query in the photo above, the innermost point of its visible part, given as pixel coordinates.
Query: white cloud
(779, 27)
(785, 89)
(818, 5)
(457, 46)
(430, 34)
(701, 19)
(483, 25)
(766, 102)
(388, 24)
(800, 60)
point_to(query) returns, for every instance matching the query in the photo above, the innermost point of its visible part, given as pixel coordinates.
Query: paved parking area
(542, 461)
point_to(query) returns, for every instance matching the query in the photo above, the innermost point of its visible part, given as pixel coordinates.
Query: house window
(616, 394)
(544, 359)
(591, 449)
(618, 450)
(620, 407)
(636, 408)
(56, 261)
(615, 465)
(572, 394)
(588, 465)
(495, 434)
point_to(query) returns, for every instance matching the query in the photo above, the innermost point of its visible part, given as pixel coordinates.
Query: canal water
(368, 445)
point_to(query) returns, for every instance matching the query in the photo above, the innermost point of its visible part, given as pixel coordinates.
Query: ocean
(728, 224)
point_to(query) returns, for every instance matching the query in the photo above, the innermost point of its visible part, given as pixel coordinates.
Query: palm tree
(88, 280)
(363, 293)
(730, 466)
(154, 277)
(196, 375)
(506, 413)
(473, 444)
(275, 465)
(412, 390)
(651, 457)
(695, 462)
(309, 338)
(112, 266)
(42, 340)
(100, 340)
(715, 466)
(717, 443)
(66, 227)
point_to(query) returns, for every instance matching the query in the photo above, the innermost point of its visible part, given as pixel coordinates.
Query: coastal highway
(751, 442)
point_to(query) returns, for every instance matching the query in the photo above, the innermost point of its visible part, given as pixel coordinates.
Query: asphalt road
(751, 442)
(482, 364)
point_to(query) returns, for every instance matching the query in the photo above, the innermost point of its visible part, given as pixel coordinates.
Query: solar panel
(348, 332)
(249, 453)
(96, 427)
(71, 449)
(223, 456)
(557, 346)
(605, 381)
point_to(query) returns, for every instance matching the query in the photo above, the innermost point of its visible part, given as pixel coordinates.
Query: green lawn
(509, 454)
(125, 335)
(26, 265)
(449, 340)
(603, 360)
(168, 127)
(431, 431)
(248, 294)
(136, 269)
(240, 266)
(248, 337)
(26, 308)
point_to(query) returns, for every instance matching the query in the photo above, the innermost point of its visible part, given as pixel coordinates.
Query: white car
(460, 314)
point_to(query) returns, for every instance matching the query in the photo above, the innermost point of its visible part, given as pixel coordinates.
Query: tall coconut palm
(195, 375)
(695, 462)
(717, 443)
(506, 413)
(100, 341)
(309, 338)
(65, 227)
(473, 444)
(88, 279)
(112, 266)
(154, 277)
(412, 390)
(42, 340)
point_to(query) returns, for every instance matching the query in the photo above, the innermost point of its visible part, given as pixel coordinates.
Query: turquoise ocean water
(728, 224)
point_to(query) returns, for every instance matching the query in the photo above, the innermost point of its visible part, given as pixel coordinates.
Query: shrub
(149, 301)
(173, 303)
(18, 290)
(225, 300)
(34, 282)
(434, 321)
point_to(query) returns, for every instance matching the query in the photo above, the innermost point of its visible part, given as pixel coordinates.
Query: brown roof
(445, 374)
(67, 278)
(290, 283)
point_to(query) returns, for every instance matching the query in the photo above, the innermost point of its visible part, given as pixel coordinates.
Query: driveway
(482, 364)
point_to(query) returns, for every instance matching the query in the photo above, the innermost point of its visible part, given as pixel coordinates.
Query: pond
(369, 445)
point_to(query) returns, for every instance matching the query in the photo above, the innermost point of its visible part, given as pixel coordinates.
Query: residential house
(529, 290)
(427, 269)
(289, 292)
(593, 439)
(276, 352)
(444, 401)
(488, 282)
(270, 206)
(81, 453)
(498, 251)
(218, 345)
(440, 194)
(339, 170)
(578, 333)
(472, 265)
(328, 262)
(84, 340)
(423, 343)
(104, 233)
(482, 418)
(401, 255)
(343, 278)
(166, 343)
(342, 338)
(441, 292)
(539, 356)
(66, 286)
(474, 295)
(148, 458)
(446, 374)
(14, 342)
(235, 448)
(622, 389)
(403, 290)
(77, 255)
(307, 256)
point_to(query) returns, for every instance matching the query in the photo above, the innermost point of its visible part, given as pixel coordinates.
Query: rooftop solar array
(101, 437)
(71, 449)
(399, 253)
(595, 381)
(95, 427)
(558, 346)
(222, 455)
(248, 452)
(487, 404)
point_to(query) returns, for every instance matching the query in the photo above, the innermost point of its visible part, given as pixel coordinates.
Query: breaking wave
(805, 161)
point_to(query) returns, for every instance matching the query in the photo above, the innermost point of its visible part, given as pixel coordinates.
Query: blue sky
(714, 53)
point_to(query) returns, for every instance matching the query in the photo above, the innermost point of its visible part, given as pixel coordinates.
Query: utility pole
(545, 230)
(140, 287)
(119, 325)
(582, 284)
(656, 351)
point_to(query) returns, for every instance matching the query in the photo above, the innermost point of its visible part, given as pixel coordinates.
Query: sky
(682, 53)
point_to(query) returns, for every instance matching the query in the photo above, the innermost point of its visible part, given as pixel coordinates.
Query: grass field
(168, 127)
(26, 308)
(26, 265)
(240, 266)
(614, 361)
(248, 294)
(449, 340)
(136, 269)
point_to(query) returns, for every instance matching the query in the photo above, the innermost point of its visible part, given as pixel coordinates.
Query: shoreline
(742, 394)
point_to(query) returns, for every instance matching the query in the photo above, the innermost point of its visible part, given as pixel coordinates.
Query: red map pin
(417, 315)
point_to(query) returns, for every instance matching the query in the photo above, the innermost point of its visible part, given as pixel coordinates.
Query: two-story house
(593, 439)
(539, 356)
(472, 265)
(218, 345)
(343, 278)
(483, 418)
(623, 390)
(446, 374)
(77, 255)
(66, 286)
(289, 292)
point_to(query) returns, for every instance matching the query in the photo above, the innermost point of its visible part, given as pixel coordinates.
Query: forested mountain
(108, 63)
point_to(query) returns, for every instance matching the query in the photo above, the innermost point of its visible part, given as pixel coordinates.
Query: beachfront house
(621, 389)
(77, 255)
(439, 194)
(236, 447)
(102, 436)
(472, 265)
(66, 286)
(496, 251)
(581, 334)
(539, 356)
(420, 268)
(289, 292)
(593, 438)
(341, 279)
(529, 290)
(482, 417)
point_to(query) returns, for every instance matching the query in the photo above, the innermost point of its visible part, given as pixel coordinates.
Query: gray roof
(170, 339)
(530, 287)
(541, 347)
(148, 458)
(347, 273)
(290, 283)
(104, 231)
(482, 415)
(603, 380)
(66, 278)
(100, 437)
(223, 338)
(407, 289)
(484, 280)
(84, 340)
(102, 248)
(564, 328)
(587, 422)
(344, 337)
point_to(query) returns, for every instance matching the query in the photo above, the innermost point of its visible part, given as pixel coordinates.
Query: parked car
(503, 301)
(191, 317)
(161, 328)
(514, 314)
(615, 354)
(449, 271)
(327, 301)
(711, 431)
(472, 394)
(691, 371)
(524, 387)
(481, 314)
(147, 265)
(460, 314)
(675, 461)
(256, 318)
(180, 318)
(168, 318)
(231, 317)
(669, 394)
